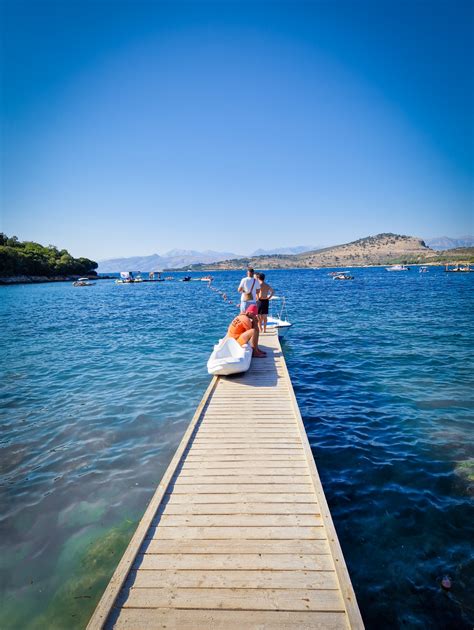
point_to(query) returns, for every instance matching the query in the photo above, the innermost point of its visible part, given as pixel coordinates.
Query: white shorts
(244, 305)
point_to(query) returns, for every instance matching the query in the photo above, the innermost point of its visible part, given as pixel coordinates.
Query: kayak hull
(229, 357)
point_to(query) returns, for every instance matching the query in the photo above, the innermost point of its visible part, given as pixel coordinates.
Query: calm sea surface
(98, 385)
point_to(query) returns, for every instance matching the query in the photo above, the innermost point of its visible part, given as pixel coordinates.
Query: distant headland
(29, 262)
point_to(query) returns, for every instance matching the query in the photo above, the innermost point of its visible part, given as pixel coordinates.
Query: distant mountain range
(155, 262)
(441, 243)
(184, 257)
(386, 246)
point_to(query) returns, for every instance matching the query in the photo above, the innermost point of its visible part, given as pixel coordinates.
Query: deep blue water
(99, 384)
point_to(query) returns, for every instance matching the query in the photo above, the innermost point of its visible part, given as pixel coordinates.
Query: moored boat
(278, 317)
(459, 268)
(398, 268)
(343, 275)
(83, 282)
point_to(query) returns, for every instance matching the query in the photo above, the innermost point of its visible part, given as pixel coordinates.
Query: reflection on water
(100, 383)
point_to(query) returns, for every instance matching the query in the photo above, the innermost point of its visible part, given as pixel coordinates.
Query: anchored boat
(342, 275)
(83, 282)
(398, 268)
(278, 317)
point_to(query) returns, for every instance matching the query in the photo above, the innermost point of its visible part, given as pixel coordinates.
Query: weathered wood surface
(238, 534)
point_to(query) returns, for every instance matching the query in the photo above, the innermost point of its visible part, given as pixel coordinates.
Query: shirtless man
(244, 329)
(264, 293)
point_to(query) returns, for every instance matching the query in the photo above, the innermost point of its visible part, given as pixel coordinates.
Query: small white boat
(278, 320)
(83, 282)
(398, 268)
(342, 275)
(229, 357)
(423, 269)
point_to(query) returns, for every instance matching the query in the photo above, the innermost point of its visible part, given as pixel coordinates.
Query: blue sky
(130, 128)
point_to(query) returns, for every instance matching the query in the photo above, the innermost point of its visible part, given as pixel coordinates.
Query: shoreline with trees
(30, 262)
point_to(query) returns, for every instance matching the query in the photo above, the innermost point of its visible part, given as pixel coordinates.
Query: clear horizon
(234, 126)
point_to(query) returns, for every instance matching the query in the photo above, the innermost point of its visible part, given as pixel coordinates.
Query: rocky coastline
(42, 279)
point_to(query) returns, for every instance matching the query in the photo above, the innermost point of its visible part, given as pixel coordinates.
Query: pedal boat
(229, 357)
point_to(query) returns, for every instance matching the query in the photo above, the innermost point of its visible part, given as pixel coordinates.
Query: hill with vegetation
(26, 258)
(382, 249)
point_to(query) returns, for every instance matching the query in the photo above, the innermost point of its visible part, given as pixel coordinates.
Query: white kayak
(229, 357)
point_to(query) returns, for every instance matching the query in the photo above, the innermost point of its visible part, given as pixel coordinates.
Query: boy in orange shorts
(244, 329)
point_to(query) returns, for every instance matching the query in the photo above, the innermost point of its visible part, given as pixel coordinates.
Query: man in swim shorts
(248, 290)
(244, 329)
(264, 294)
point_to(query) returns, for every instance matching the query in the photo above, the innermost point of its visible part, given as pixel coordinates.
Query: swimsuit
(262, 305)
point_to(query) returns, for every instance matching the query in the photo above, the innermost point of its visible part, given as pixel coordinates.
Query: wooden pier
(238, 534)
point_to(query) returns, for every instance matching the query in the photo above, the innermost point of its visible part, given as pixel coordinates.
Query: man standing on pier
(248, 290)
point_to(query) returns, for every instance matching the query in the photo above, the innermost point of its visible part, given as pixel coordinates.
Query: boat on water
(83, 282)
(229, 357)
(423, 269)
(126, 277)
(186, 279)
(459, 268)
(206, 279)
(342, 275)
(278, 316)
(398, 268)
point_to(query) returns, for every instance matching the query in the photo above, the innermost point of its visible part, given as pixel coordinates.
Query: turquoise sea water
(99, 384)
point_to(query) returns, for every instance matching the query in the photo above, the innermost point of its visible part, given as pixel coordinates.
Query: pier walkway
(238, 534)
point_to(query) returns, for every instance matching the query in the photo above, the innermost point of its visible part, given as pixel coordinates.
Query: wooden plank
(272, 469)
(240, 458)
(257, 451)
(242, 497)
(186, 578)
(228, 533)
(234, 599)
(241, 547)
(234, 561)
(198, 479)
(157, 619)
(239, 488)
(245, 440)
(239, 432)
(237, 520)
(240, 508)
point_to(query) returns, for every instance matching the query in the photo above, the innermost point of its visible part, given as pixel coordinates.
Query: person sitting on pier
(244, 329)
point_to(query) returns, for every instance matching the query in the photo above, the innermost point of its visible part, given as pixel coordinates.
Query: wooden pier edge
(119, 576)
(350, 600)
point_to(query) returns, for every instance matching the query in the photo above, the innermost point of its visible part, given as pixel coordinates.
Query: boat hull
(282, 326)
(229, 357)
